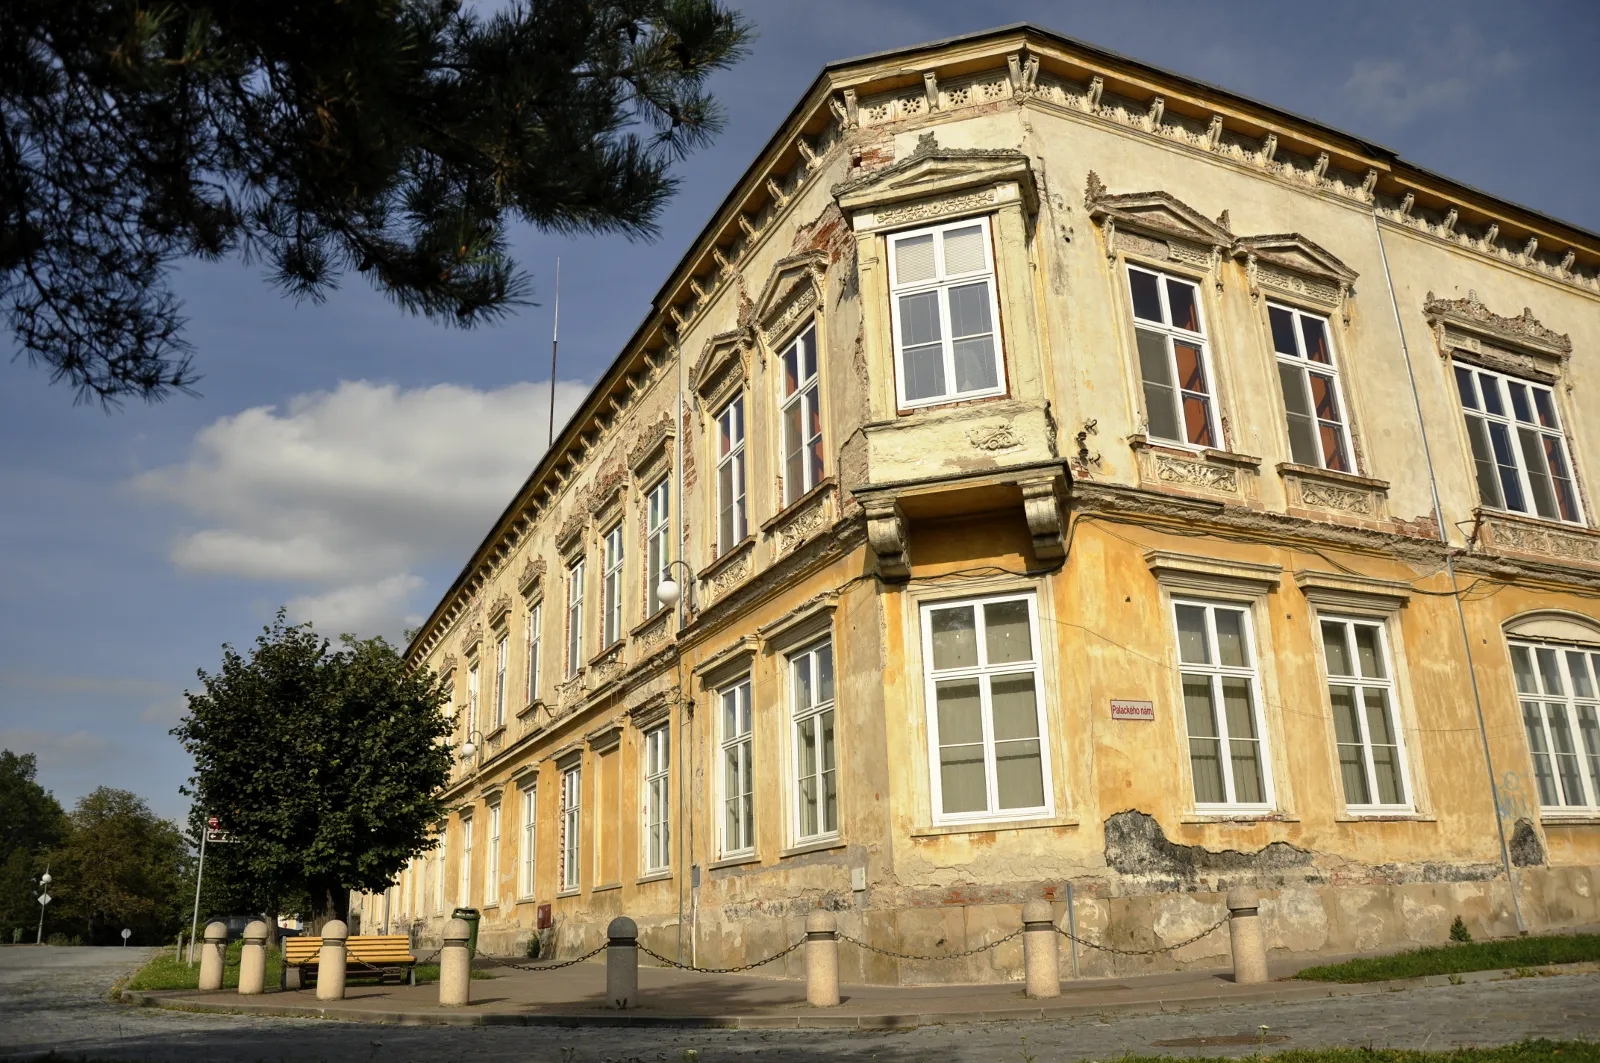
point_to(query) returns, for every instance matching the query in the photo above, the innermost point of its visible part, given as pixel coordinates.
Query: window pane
(1333, 455)
(961, 770)
(1015, 709)
(1540, 750)
(1282, 322)
(955, 637)
(1160, 398)
(1546, 407)
(1347, 730)
(1193, 642)
(1198, 711)
(806, 793)
(1181, 300)
(960, 712)
(1197, 420)
(1146, 301)
(969, 310)
(1369, 651)
(1589, 730)
(1522, 668)
(963, 250)
(808, 343)
(923, 369)
(1316, 337)
(830, 779)
(1019, 774)
(1566, 498)
(825, 673)
(802, 682)
(1562, 745)
(1007, 634)
(1483, 463)
(1544, 499)
(1549, 671)
(791, 370)
(1578, 672)
(1231, 648)
(1205, 750)
(1464, 388)
(1510, 485)
(919, 319)
(794, 455)
(1334, 650)
(913, 259)
(1192, 379)
(1519, 402)
(1490, 388)
(1247, 783)
(1324, 398)
(1297, 405)
(975, 364)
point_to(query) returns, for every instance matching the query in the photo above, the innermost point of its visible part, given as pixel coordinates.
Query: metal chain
(949, 956)
(721, 970)
(546, 966)
(1144, 952)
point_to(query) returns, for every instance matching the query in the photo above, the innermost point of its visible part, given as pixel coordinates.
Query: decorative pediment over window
(569, 537)
(1157, 225)
(651, 448)
(1467, 328)
(795, 288)
(499, 610)
(532, 575)
(934, 182)
(722, 366)
(1291, 264)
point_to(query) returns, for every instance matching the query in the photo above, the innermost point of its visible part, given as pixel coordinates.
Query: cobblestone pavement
(63, 1009)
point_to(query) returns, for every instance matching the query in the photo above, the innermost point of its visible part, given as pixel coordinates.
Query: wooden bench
(365, 955)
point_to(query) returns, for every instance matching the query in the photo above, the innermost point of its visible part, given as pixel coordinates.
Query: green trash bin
(470, 916)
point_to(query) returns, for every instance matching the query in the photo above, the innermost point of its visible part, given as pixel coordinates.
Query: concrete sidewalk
(575, 996)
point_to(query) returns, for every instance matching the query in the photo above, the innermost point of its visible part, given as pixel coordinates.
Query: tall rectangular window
(946, 319)
(571, 827)
(1560, 691)
(491, 859)
(657, 800)
(658, 542)
(575, 618)
(612, 589)
(1222, 706)
(1518, 449)
(986, 722)
(502, 649)
(472, 698)
(464, 884)
(1361, 690)
(802, 417)
(531, 665)
(738, 786)
(530, 838)
(731, 518)
(816, 793)
(1173, 365)
(1309, 376)
(438, 873)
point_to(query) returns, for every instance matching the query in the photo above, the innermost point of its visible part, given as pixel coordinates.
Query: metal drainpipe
(1450, 567)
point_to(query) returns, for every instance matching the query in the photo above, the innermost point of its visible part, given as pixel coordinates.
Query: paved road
(55, 1000)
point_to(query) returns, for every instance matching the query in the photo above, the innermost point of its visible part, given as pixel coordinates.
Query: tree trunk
(335, 901)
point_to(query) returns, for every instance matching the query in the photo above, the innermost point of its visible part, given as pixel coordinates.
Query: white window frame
(730, 451)
(1551, 708)
(502, 654)
(611, 586)
(740, 745)
(823, 712)
(941, 283)
(575, 617)
(1515, 427)
(491, 859)
(464, 876)
(806, 403)
(571, 829)
(1216, 672)
(985, 674)
(530, 840)
(472, 698)
(532, 662)
(1304, 364)
(658, 541)
(1172, 333)
(1391, 692)
(656, 750)
(439, 871)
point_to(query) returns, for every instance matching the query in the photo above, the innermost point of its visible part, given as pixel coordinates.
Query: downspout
(1450, 567)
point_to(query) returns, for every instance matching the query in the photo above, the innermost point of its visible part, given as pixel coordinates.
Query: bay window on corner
(944, 314)
(1174, 368)
(1319, 434)
(1519, 450)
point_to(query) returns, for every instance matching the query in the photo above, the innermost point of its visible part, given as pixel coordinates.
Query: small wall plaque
(1123, 709)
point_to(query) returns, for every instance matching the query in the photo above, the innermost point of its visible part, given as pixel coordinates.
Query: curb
(1284, 991)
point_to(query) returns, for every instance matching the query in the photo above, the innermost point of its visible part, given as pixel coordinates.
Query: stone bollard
(1041, 952)
(331, 961)
(455, 966)
(622, 963)
(253, 960)
(822, 960)
(213, 954)
(1244, 932)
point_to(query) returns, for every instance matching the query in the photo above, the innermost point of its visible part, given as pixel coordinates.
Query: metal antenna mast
(555, 340)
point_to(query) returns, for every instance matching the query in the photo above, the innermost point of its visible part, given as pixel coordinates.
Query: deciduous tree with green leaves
(397, 138)
(31, 821)
(119, 866)
(327, 765)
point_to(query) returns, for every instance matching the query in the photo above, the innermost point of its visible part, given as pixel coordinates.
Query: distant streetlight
(44, 899)
(470, 747)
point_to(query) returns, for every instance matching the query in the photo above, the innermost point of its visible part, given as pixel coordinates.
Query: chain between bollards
(1213, 928)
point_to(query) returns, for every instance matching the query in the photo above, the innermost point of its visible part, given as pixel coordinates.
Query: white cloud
(1440, 74)
(350, 490)
(79, 750)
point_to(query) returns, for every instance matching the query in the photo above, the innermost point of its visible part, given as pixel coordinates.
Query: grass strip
(1509, 953)
(1539, 1051)
(164, 971)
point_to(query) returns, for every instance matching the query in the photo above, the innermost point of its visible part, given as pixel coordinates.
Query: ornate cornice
(1525, 333)
(532, 574)
(652, 439)
(794, 288)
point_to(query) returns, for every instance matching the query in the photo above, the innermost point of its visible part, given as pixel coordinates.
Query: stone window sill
(823, 487)
(1313, 472)
(654, 876)
(1348, 816)
(572, 892)
(990, 826)
(734, 861)
(651, 619)
(1581, 820)
(1223, 815)
(726, 558)
(814, 845)
(607, 888)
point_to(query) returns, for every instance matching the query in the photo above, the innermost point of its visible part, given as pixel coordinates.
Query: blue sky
(344, 458)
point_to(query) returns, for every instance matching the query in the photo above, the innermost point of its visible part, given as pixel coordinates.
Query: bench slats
(375, 949)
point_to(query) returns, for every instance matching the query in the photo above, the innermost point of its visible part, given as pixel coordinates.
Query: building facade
(1082, 483)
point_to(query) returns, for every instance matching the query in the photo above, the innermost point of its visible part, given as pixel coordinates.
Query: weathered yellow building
(1081, 483)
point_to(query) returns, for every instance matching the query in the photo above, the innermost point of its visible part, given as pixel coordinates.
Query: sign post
(216, 835)
(44, 901)
(126, 934)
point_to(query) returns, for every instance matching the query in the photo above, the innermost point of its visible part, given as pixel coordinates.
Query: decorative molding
(934, 182)
(1295, 266)
(930, 209)
(606, 737)
(993, 437)
(499, 609)
(569, 537)
(1343, 590)
(653, 631)
(531, 577)
(1044, 506)
(1191, 572)
(722, 367)
(801, 624)
(653, 710)
(794, 289)
(1209, 471)
(726, 663)
(1314, 488)
(605, 666)
(808, 515)
(727, 571)
(447, 664)
(1180, 232)
(1467, 326)
(888, 535)
(1557, 543)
